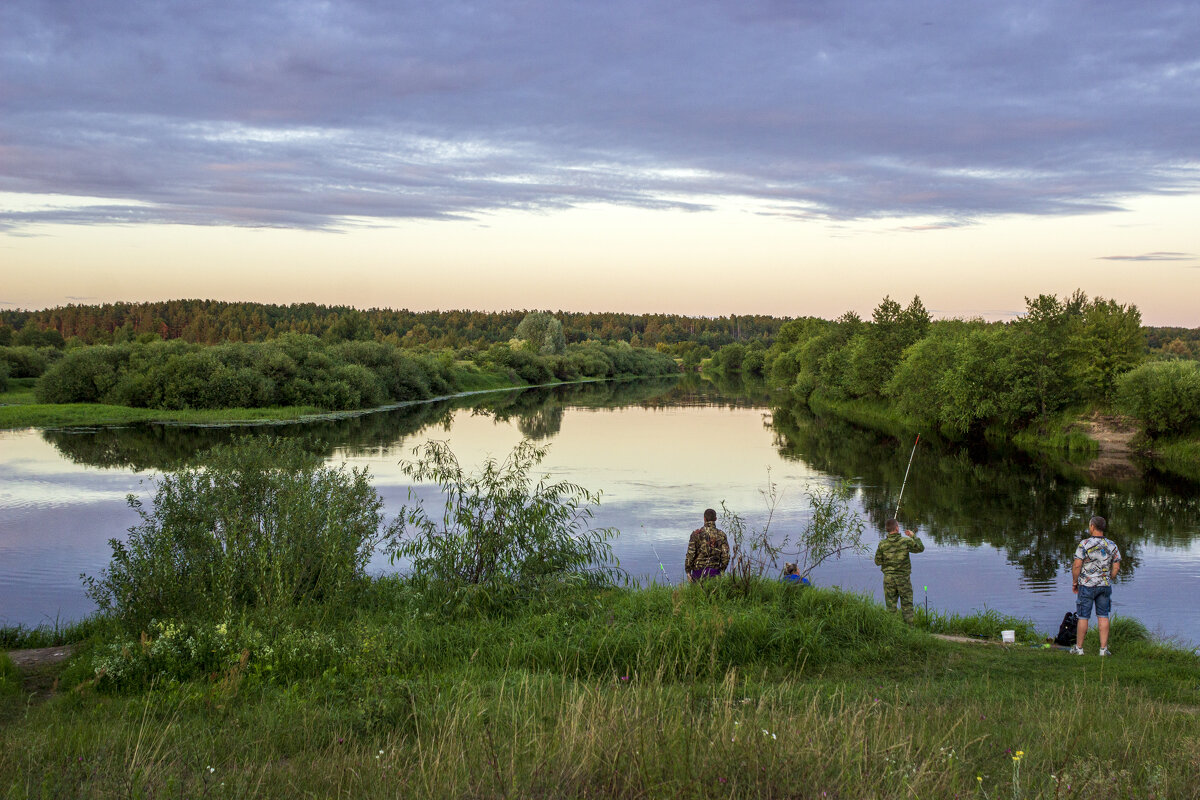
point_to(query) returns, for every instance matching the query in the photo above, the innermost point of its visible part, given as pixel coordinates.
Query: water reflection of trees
(537, 412)
(1035, 512)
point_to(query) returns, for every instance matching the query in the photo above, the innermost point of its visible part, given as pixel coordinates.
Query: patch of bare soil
(1114, 434)
(39, 667)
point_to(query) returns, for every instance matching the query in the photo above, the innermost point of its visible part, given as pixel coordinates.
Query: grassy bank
(1058, 436)
(1179, 455)
(875, 414)
(25, 412)
(779, 691)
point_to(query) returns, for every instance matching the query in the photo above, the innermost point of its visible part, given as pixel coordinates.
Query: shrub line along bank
(55, 415)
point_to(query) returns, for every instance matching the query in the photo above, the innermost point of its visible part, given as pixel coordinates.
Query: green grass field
(663, 692)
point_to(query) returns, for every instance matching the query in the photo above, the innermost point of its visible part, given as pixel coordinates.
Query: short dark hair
(1099, 523)
(710, 515)
(891, 525)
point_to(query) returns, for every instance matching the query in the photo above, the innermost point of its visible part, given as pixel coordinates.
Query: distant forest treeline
(216, 322)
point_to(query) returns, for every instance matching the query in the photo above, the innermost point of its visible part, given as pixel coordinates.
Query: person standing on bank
(1097, 562)
(708, 550)
(892, 558)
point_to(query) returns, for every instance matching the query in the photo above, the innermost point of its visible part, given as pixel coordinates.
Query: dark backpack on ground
(1066, 631)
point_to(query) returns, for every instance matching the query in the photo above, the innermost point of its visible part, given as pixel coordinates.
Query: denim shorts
(1101, 595)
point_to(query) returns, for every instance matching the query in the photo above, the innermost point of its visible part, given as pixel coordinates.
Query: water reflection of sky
(657, 469)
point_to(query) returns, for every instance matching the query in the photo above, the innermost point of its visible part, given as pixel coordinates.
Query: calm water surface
(999, 529)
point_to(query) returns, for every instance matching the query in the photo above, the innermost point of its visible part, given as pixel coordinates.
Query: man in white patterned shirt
(1097, 562)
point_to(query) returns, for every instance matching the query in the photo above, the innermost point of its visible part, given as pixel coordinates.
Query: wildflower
(979, 778)
(211, 770)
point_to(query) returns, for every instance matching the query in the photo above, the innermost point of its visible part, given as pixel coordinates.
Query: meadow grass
(19, 392)
(10, 678)
(700, 691)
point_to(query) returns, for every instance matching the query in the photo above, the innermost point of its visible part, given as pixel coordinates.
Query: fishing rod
(660, 564)
(905, 481)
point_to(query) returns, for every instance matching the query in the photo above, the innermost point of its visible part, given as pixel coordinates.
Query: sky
(701, 157)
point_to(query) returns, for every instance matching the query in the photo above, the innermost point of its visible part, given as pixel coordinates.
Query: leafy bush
(499, 529)
(1164, 395)
(27, 362)
(82, 376)
(262, 526)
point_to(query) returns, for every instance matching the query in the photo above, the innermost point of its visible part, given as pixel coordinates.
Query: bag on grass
(1066, 631)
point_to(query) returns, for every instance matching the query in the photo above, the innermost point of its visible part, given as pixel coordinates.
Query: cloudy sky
(702, 157)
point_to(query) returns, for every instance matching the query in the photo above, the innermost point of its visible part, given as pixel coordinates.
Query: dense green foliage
(262, 525)
(301, 370)
(27, 362)
(501, 531)
(1165, 395)
(963, 377)
(542, 333)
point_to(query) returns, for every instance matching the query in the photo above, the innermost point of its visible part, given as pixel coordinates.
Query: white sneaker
(1104, 651)
(1076, 651)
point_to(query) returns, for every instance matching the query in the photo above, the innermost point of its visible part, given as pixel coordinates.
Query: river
(1000, 528)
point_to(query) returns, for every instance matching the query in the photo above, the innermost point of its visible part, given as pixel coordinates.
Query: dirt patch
(40, 668)
(948, 637)
(27, 660)
(1114, 434)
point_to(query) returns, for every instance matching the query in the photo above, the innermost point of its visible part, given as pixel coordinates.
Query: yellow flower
(979, 778)
(1020, 753)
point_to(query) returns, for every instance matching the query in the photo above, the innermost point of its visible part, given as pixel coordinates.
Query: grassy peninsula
(666, 691)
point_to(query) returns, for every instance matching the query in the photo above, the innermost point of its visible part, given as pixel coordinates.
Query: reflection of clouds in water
(25, 485)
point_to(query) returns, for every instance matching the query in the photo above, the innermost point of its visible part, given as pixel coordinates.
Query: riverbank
(1105, 445)
(694, 691)
(19, 409)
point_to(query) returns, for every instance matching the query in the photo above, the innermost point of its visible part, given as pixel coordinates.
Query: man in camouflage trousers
(708, 550)
(892, 557)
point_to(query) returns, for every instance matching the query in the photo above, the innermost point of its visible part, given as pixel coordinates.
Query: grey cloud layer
(309, 113)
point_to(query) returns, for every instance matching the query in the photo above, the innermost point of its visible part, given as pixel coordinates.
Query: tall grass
(10, 678)
(21, 637)
(476, 733)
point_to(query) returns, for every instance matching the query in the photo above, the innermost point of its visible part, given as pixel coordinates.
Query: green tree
(1108, 342)
(500, 528)
(262, 525)
(1041, 352)
(542, 333)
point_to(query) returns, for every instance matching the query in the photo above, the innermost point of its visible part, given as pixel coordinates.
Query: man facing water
(892, 558)
(708, 550)
(1097, 562)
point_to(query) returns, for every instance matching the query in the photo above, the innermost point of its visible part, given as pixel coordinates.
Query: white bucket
(1008, 637)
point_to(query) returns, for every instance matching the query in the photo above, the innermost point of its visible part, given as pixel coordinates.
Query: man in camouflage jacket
(892, 557)
(708, 550)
